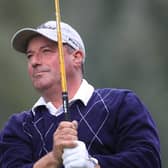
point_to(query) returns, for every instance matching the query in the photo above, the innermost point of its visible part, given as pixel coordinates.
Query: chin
(40, 85)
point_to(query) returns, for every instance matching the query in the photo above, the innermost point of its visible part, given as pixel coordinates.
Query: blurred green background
(126, 43)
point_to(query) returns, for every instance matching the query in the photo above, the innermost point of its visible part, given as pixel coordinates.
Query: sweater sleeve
(15, 145)
(138, 143)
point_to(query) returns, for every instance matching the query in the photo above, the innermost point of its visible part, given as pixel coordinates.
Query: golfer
(109, 128)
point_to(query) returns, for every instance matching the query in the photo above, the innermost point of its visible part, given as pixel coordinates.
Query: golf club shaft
(61, 61)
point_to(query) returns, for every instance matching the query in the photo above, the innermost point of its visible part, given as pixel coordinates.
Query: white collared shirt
(84, 93)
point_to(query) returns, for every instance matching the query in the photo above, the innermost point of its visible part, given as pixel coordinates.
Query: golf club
(61, 62)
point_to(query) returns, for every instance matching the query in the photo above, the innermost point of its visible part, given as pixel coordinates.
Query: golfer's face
(43, 63)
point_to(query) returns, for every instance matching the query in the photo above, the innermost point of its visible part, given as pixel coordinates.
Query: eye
(46, 50)
(29, 55)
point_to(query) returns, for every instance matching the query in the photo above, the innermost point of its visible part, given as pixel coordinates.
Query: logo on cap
(46, 26)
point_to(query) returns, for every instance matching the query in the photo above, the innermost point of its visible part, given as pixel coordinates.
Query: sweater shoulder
(113, 90)
(16, 120)
(113, 93)
(21, 117)
(114, 97)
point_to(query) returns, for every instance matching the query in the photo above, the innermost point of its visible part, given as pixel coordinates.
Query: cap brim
(20, 39)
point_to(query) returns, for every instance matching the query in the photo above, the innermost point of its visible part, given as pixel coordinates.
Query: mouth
(39, 73)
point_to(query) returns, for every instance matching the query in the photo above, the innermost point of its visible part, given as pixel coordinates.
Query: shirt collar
(84, 93)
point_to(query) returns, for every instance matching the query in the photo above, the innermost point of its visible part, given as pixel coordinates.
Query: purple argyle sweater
(115, 125)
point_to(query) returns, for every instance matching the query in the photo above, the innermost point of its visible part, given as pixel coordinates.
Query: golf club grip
(65, 106)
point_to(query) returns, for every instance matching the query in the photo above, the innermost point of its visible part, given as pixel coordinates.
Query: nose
(36, 60)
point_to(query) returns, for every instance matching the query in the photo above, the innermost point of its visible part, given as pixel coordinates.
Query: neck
(55, 95)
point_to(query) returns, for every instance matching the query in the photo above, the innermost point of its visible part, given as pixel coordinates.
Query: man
(109, 128)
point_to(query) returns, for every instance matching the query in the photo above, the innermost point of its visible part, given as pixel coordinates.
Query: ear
(78, 57)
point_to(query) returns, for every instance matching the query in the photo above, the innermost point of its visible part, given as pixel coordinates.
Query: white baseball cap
(48, 29)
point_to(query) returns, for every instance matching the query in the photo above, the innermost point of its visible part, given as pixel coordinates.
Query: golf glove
(78, 157)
